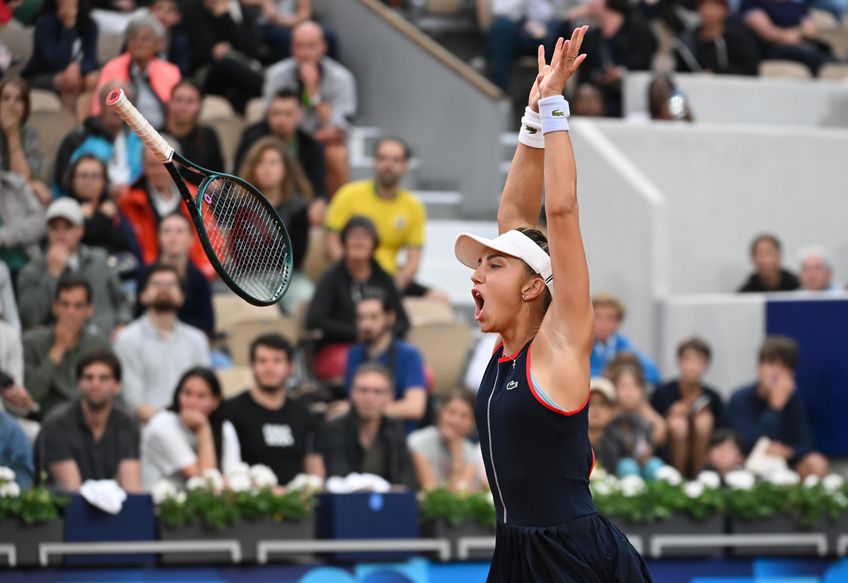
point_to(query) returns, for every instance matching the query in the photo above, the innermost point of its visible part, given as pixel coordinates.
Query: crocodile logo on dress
(511, 385)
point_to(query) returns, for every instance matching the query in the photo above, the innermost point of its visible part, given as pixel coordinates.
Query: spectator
(817, 270)
(768, 276)
(516, 29)
(718, 45)
(151, 78)
(609, 342)
(630, 440)
(327, 89)
(157, 348)
(375, 322)
(14, 398)
(691, 409)
(725, 453)
(588, 101)
(281, 179)
(9, 306)
(112, 16)
(16, 451)
(601, 409)
(176, 49)
(150, 199)
(282, 121)
(786, 30)
(224, 40)
(398, 214)
(190, 436)
(11, 351)
(105, 226)
(19, 149)
(64, 58)
(332, 311)
(106, 137)
(623, 42)
(176, 236)
(771, 408)
(273, 429)
(90, 438)
(365, 440)
(666, 102)
(21, 221)
(278, 19)
(442, 454)
(65, 254)
(51, 354)
(198, 143)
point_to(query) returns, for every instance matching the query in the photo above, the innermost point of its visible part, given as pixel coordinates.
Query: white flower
(196, 483)
(7, 474)
(709, 479)
(603, 487)
(632, 486)
(740, 480)
(307, 482)
(240, 469)
(784, 478)
(840, 500)
(694, 489)
(811, 481)
(262, 477)
(181, 497)
(833, 482)
(239, 482)
(669, 475)
(10, 490)
(213, 478)
(598, 474)
(162, 490)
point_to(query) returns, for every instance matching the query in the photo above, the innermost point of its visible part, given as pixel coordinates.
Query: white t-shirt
(429, 444)
(167, 446)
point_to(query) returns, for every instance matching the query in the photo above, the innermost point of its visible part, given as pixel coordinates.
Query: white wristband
(531, 130)
(554, 112)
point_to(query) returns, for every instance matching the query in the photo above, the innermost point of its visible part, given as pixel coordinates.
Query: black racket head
(245, 239)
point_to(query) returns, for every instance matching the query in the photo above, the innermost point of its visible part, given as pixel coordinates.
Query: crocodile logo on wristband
(557, 113)
(531, 130)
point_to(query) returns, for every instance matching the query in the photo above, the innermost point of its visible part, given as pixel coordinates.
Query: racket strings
(247, 237)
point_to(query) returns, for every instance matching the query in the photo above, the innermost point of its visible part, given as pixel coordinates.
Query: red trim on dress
(592, 469)
(545, 403)
(504, 359)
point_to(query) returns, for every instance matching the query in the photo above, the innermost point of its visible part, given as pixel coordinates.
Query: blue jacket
(16, 451)
(604, 352)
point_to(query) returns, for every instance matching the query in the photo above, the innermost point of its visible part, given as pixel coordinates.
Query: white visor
(470, 248)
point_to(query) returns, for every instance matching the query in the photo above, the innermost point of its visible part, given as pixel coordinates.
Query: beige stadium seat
(229, 132)
(775, 68)
(108, 46)
(231, 309)
(41, 100)
(19, 40)
(423, 311)
(244, 332)
(444, 6)
(445, 349)
(254, 111)
(833, 72)
(234, 380)
(52, 127)
(215, 107)
(315, 263)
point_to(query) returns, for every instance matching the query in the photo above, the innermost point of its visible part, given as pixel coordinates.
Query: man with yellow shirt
(398, 215)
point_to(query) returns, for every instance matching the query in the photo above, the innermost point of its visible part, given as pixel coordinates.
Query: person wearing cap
(65, 254)
(332, 311)
(531, 411)
(717, 45)
(601, 408)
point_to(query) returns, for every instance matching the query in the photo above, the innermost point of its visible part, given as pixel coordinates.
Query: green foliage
(32, 506)
(456, 509)
(222, 509)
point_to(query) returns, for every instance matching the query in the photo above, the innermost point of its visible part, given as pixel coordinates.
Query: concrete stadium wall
(403, 89)
(750, 101)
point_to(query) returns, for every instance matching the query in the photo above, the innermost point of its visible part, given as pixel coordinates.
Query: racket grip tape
(118, 101)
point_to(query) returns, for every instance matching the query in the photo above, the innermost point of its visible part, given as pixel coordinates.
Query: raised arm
(562, 358)
(521, 201)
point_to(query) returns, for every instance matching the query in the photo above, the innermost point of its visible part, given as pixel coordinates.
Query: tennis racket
(241, 233)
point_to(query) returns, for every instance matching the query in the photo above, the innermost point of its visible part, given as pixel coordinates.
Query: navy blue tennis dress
(538, 460)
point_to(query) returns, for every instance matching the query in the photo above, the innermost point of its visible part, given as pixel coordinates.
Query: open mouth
(479, 302)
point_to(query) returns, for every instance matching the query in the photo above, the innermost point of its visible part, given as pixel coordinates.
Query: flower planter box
(676, 525)
(27, 538)
(441, 528)
(777, 525)
(837, 529)
(248, 533)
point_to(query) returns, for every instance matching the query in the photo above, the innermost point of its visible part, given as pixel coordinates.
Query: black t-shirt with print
(277, 438)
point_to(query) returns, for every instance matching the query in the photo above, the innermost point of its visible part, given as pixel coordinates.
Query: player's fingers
(577, 61)
(557, 51)
(541, 58)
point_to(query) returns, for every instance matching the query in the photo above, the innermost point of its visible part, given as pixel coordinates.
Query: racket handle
(118, 101)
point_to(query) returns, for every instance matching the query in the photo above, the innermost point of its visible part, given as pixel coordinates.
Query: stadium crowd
(110, 354)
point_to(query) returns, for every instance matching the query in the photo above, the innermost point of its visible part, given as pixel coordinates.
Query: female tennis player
(531, 413)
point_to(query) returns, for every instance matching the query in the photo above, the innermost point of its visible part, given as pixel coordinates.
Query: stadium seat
(229, 133)
(833, 72)
(444, 6)
(215, 107)
(19, 40)
(254, 111)
(776, 68)
(234, 380)
(423, 311)
(41, 100)
(315, 262)
(241, 335)
(444, 348)
(51, 126)
(231, 309)
(109, 46)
